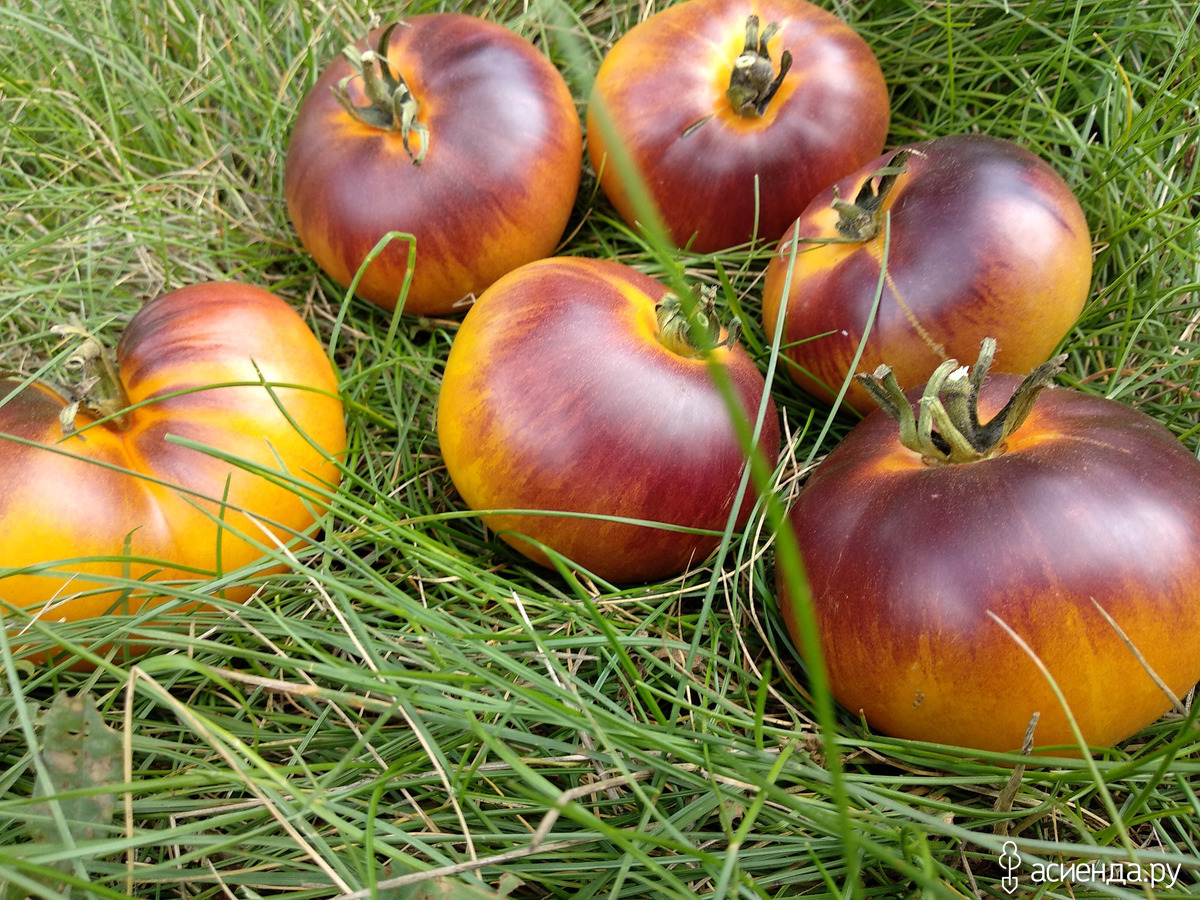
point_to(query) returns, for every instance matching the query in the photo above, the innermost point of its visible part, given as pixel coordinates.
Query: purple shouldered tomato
(452, 129)
(735, 114)
(936, 547)
(982, 238)
(573, 385)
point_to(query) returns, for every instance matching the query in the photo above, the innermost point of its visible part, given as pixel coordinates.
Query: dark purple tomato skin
(559, 396)
(495, 189)
(1091, 500)
(986, 240)
(732, 178)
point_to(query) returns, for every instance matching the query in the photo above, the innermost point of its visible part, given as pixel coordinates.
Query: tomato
(229, 403)
(475, 150)
(735, 114)
(927, 573)
(985, 239)
(569, 388)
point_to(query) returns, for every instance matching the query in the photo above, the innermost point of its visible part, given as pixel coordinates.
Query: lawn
(410, 706)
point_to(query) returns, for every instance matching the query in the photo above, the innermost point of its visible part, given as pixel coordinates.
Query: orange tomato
(226, 442)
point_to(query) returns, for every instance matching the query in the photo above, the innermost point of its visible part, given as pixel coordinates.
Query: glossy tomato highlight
(143, 487)
(982, 238)
(922, 558)
(735, 114)
(446, 127)
(571, 387)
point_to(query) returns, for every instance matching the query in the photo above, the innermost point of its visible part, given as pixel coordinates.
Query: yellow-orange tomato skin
(138, 502)
(719, 178)
(985, 240)
(494, 190)
(911, 564)
(559, 396)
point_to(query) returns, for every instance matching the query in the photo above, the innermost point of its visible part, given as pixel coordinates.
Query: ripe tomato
(914, 562)
(226, 366)
(475, 149)
(986, 239)
(736, 114)
(565, 391)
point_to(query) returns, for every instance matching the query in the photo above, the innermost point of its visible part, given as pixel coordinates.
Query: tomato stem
(693, 331)
(861, 219)
(946, 429)
(754, 81)
(99, 390)
(392, 107)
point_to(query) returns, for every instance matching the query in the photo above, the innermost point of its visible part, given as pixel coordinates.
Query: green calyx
(391, 105)
(693, 331)
(947, 430)
(754, 81)
(99, 389)
(861, 219)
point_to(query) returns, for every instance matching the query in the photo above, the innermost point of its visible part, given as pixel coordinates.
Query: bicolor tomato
(950, 561)
(215, 431)
(575, 387)
(450, 129)
(735, 114)
(980, 238)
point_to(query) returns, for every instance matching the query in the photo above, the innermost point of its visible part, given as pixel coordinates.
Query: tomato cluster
(1002, 552)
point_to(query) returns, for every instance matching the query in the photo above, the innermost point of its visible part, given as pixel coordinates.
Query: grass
(412, 701)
